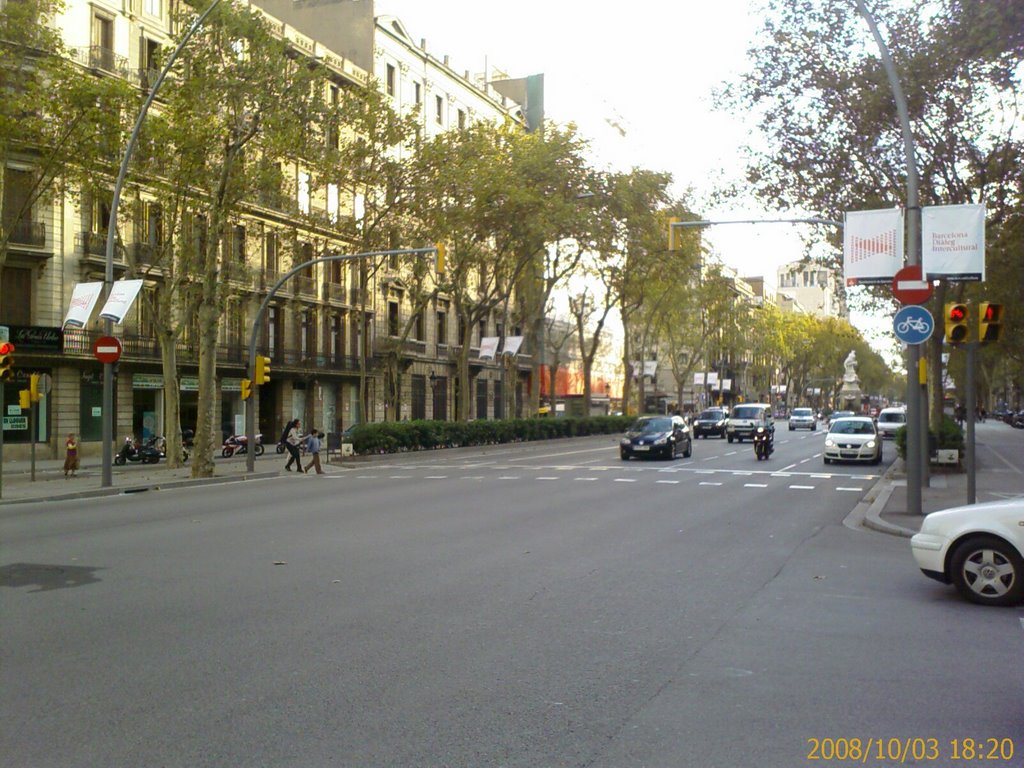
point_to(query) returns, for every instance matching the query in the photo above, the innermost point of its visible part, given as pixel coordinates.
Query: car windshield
(653, 425)
(750, 412)
(711, 415)
(801, 411)
(842, 414)
(852, 427)
(897, 417)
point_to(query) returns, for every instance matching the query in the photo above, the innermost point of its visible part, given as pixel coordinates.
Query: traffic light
(956, 323)
(441, 253)
(25, 399)
(672, 232)
(33, 387)
(6, 361)
(262, 370)
(246, 389)
(990, 321)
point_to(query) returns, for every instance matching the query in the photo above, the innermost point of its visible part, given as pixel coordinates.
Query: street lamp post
(250, 411)
(107, 422)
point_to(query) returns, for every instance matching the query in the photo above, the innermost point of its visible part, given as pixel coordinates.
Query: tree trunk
(172, 398)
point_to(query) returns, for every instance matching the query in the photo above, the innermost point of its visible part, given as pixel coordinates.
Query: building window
(462, 119)
(390, 82)
(417, 93)
(442, 328)
(238, 244)
(270, 252)
(332, 203)
(439, 110)
(417, 328)
(392, 318)
(153, 7)
(102, 43)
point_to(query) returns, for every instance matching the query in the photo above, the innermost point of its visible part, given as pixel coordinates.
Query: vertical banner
(122, 296)
(488, 347)
(953, 242)
(872, 246)
(511, 345)
(83, 301)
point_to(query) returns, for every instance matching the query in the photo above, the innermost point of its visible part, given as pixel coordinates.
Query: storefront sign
(147, 381)
(36, 338)
(15, 423)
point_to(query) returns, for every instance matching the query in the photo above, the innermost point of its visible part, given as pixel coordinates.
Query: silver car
(803, 418)
(853, 438)
(890, 420)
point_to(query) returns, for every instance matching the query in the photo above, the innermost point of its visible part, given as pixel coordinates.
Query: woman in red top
(70, 455)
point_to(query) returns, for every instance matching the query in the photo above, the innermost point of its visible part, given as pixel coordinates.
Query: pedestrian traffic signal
(990, 321)
(441, 254)
(33, 387)
(25, 399)
(6, 361)
(246, 389)
(262, 370)
(956, 323)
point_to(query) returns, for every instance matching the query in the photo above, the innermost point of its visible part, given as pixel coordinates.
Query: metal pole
(250, 412)
(917, 425)
(971, 404)
(106, 477)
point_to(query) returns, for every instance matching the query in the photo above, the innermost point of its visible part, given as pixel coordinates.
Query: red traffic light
(6, 348)
(957, 313)
(991, 313)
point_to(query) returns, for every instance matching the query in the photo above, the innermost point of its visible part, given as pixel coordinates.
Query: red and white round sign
(107, 349)
(910, 287)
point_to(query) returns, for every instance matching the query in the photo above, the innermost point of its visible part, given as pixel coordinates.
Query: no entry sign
(910, 287)
(107, 349)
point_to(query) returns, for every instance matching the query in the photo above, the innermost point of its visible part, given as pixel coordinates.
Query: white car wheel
(988, 571)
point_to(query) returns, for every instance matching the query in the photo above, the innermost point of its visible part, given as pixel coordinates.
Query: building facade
(327, 328)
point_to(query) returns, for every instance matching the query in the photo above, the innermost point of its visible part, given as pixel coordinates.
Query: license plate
(641, 447)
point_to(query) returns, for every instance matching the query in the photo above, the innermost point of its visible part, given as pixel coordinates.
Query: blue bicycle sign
(913, 324)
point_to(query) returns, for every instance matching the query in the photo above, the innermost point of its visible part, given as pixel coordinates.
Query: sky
(639, 84)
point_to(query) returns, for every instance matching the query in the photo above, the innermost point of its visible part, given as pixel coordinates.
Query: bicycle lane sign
(913, 324)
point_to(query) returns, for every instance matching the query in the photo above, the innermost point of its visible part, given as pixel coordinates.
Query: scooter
(764, 443)
(240, 444)
(160, 444)
(132, 450)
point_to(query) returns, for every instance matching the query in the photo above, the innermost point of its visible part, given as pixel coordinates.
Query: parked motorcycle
(240, 444)
(764, 443)
(160, 443)
(133, 450)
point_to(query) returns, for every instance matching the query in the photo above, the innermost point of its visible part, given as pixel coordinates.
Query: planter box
(947, 456)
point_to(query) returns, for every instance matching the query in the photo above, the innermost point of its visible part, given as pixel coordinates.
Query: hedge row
(948, 436)
(396, 436)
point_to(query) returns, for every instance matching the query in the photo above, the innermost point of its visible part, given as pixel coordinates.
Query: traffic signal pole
(253, 403)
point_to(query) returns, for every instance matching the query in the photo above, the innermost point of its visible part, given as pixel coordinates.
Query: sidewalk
(995, 478)
(50, 485)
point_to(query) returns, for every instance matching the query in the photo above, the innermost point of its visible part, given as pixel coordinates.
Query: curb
(878, 497)
(132, 489)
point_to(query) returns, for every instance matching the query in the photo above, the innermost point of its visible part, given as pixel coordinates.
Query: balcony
(305, 286)
(334, 293)
(24, 232)
(104, 60)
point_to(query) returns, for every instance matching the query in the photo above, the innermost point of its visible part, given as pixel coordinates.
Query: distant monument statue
(849, 393)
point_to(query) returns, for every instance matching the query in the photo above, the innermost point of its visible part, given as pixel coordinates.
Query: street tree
(61, 125)
(832, 141)
(239, 106)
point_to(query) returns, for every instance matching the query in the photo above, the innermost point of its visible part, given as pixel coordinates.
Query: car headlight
(720, 423)
(661, 440)
(870, 443)
(624, 441)
(829, 443)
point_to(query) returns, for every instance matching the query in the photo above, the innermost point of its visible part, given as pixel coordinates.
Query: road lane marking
(802, 487)
(436, 477)
(547, 477)
(668, 482)
(821, 477)
(509, 477)
(624, 480)
(706, 483)
(585, 479)
(789, 467)
(755, 485)
(841, 488)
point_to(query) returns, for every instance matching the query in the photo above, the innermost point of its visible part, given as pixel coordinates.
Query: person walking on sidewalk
(70, 455)
(313, 447)
(292, 439)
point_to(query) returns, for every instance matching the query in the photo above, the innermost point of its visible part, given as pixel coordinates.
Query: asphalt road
(531, 605)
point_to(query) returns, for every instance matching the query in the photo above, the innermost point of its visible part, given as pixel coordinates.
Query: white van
(891, 419)
(745, 418)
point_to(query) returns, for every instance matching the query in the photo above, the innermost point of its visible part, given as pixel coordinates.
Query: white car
(978, 548)
(802, 418)
(853, 438)
(890, 420)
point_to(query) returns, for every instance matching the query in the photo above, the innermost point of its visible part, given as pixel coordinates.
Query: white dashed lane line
(802, 487)
(755, 485)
